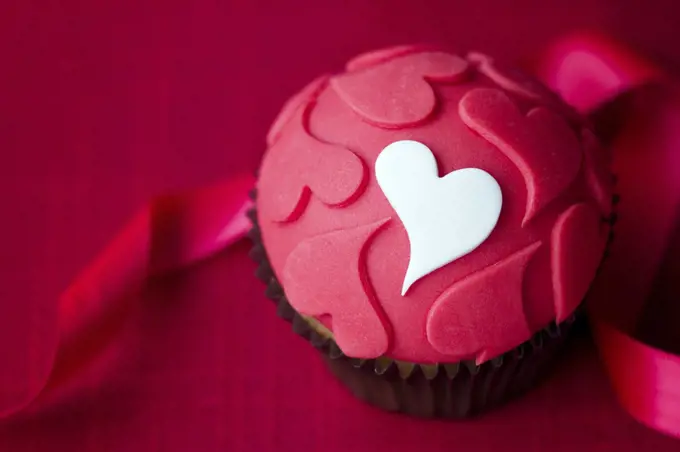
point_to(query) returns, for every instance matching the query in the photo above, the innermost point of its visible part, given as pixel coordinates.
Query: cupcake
(431, 223)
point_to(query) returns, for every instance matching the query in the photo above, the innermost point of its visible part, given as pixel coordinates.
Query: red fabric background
(104, 105)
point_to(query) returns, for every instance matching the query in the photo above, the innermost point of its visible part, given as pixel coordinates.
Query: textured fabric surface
(105, 104)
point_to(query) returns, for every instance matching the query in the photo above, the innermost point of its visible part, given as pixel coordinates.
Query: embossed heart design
(445, 218)
(397, 92)
(538, 143)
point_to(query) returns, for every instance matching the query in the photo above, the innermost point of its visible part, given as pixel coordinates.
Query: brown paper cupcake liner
(456, 390)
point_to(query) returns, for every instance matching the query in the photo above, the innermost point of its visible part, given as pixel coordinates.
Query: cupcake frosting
(432, 208)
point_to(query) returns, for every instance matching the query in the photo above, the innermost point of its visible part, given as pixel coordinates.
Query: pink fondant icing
(510, 79)
(541, 144)
(578, 241)
(469, 331)
(521, 85)
(374, 57)
(536, 143)
(398, 92)
(326, 275)
(330, 172)
(304, 97)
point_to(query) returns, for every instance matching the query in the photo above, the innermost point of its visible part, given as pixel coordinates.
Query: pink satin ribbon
(169, 233)
(589, 71)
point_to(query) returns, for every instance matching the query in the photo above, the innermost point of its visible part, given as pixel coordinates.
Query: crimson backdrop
(104, 104)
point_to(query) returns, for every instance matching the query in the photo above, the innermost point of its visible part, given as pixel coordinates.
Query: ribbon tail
(171, 232)
(644, 378)
(168, 234)
(603, 79)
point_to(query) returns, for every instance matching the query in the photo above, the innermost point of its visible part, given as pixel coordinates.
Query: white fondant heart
(445, 218)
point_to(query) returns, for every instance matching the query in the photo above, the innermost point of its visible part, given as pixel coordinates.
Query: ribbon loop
(593, 73)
